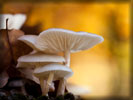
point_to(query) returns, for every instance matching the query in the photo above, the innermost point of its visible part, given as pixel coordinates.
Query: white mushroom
(60, 40)
(40, 57)
(28, 72)
(57, 40)
(52, 71)
(29, 40)
(14, 21)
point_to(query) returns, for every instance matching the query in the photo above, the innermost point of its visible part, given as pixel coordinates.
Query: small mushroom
(41, 57)
(28, 72)
(15, 21)
(52, 72)
(38, 59)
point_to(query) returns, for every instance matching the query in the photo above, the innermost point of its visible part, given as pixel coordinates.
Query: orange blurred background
(103, 69)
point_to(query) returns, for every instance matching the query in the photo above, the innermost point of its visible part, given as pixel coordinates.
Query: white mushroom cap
(40, 57)
(60, 71)
(57, 40)
(31, 64)
(14, 21)
(24, 65)
(29, 40)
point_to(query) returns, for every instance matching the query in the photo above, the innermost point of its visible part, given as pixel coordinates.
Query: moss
(42, 98)
(3, 98)
(60, 97)
(69, 96)
(18, 97)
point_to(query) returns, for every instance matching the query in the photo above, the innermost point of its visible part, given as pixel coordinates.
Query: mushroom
(52, 71)
(28, 73)
(15, 21)
(61, 40)
(29, 40)
(38, 59)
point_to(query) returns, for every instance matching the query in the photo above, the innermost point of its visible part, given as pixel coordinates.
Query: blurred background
(103, 70)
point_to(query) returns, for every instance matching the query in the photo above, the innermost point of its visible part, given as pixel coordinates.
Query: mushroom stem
(49, 82)
(67, 58)
(42, 86)
(61, 87)
(62, 83)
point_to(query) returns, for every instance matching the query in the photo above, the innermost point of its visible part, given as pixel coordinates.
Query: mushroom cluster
(45, 59)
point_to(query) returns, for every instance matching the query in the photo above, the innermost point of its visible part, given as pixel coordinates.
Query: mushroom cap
(60, 71)
(29, 40)
(31, 64)
(57, 40)
(14, 21)
(40, 57)
(24, 65)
